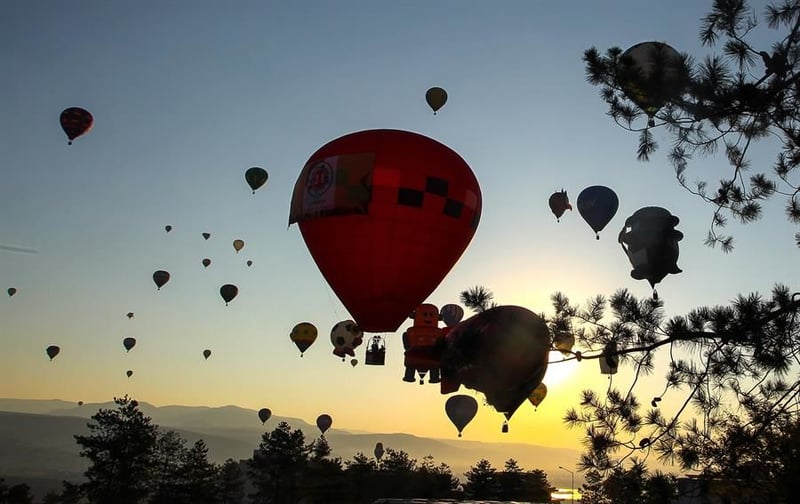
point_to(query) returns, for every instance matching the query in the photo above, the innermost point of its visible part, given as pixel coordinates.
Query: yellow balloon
(538, 394)
(238, 245)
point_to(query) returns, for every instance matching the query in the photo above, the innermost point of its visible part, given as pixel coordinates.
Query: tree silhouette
(231, 483)
(478, 298)
(730, 102)
(482, 481)
(278, 465)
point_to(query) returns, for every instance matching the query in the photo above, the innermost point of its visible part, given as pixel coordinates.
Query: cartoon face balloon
(385, 214)
(650, 240)
(501, 352)
(346, 336)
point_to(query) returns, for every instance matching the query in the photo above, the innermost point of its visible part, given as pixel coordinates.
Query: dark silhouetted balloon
(385, 214)
(206, 353)
(168, 228)
(11, 291)
(324, 423)
(228, 292)
(354, 362)
(436, 98)
(52, 351)
(378, 450)
(559, 203)
(160, 278)
(129, 373)
(451, 314)
(129, 314)
(249, 263)
(80, 403)
(206, 236)
(461, 409)
(75, 122)
(206, 262)
(501, 352)
(129, 343)
(597, 205)
(238, 245)
(303, 335)
(264, 414)
(256, 177)
(346, 336)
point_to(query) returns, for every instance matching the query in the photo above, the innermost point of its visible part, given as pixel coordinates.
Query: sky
(187, 95)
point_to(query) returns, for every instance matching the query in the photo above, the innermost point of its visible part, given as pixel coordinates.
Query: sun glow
(559, 369)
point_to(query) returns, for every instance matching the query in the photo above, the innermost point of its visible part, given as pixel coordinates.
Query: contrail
(24, 250)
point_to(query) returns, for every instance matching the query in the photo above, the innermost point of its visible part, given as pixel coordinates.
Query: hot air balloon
(652, 74)
(346, 336)
(538, 395)
(650, 241)
(129, 343)
(52, 351)
(129, 315)
(303, 335)
(256, 177)
(228, 292)
(436, 98)
(206, 353)
(129, 373)
(75, 122)
(451, 314)
(264, 414)
(206, 236)
(11, 291)
(501, 352)
(160, 278)
(80, 403)
(168, 228)
(238, 245)
(563, 342)
(609, 361)
(378, 450)
(354, 362)
(422, 342)
(461, 409)
(597, 205)
(249, 263)
(206, 262)
(559, 203)
(324, 423)
(385, 215)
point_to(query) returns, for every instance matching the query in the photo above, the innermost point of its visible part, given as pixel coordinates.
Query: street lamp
(571, 484)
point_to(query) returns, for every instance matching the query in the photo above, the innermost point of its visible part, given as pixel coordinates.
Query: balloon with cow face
(346, 336)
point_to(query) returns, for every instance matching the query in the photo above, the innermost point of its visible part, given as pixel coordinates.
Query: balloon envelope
(385, 214)
(378, 450)
(238, 245)
(129, 343)
(129, 373)
(652, 74)
(303, 335)
(206, 262)
(228, 292)
(559, 203)
(501, 352)
(324, 422)
(160, 278)
(52, 351)
(206, 353)
(597, 205)
(346, 336)
(11, 291)
(168, 228)
(264, 414)
(75, 122)
(538, 394)
(451, 314)
(461, 409)
(436, 98)
(206, 236)
(129, 314)
(256, 177)
(650, 241)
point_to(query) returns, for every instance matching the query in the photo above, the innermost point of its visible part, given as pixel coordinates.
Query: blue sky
(187, 95)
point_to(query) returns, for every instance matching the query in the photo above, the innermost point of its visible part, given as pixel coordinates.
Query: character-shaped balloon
(651, 75)
(346, 336)
(650, 240)
(501, 352)
(597, 205)
(422, 344)
(303, 335)
(559, 203)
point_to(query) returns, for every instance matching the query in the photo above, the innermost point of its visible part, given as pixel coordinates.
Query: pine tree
(278, 464)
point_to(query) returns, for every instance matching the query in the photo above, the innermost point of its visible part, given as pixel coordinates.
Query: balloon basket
(376, 353)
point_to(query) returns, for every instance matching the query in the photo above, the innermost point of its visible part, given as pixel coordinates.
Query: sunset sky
(187, 95)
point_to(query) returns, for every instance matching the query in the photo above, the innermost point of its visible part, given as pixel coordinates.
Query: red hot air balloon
(385, 215)
(75, 122)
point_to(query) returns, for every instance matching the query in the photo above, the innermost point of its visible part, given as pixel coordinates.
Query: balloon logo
(451, 314)
(52, 351)
(206, 236)
(11, 291)
(461, 409)
(238, 245)
(303, 336)
(559, 203)
(385, 214)
(75, 122)
(129, 373)
(324, 423)
(206, 353)
(206, 262)
(228, 292)
(129, 343)
(651, 75)
(256, 177)
(597, 205)
(264, 414)
(160, 278)
(436, 98)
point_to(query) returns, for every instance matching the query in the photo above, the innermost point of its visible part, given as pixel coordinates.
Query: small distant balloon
(538, 395)
(461, 409)
(256, 177)
(11, 291)
(160, 278)
(436, 98)
(75, 122)
(168, 228)
(80, 403)
(451, 314)
(353, 362)
(228, 292)
(52, 351)
(249, 263)
(324, 423)
(206, 353)
(238, 245)
(206, 262)
(129, 373)
(129, 314)
(264, 414)
(378, 450)
(129, 343)
(559, 203)
(303, 336)
(206, 236)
